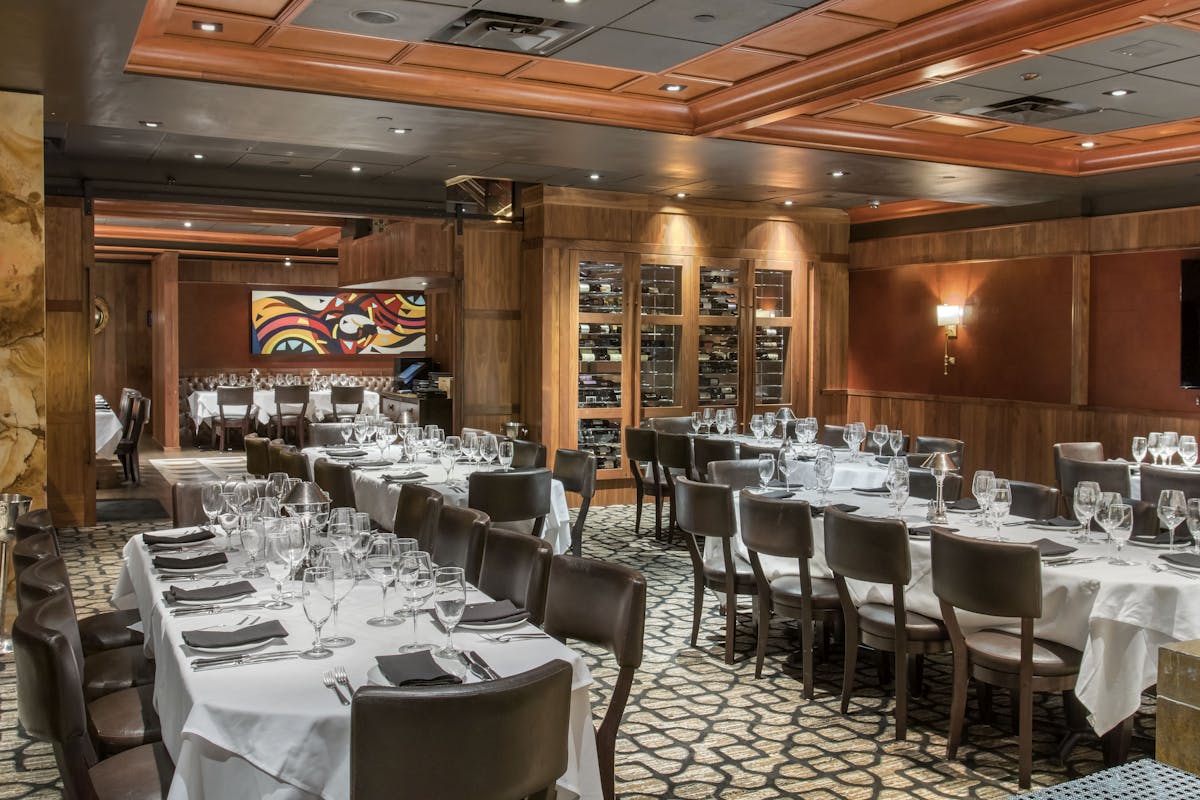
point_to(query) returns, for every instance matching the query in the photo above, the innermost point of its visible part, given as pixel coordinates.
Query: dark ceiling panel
(1137, 50)
(614, 48)
(415, 22)
(711, 21)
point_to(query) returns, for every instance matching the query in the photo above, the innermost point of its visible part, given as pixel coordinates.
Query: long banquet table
(203, 405)
(379, 497)
(1116, 616)
(273, 730)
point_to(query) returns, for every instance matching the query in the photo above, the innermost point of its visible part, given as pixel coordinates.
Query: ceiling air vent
(1031, 110)
(495, 30)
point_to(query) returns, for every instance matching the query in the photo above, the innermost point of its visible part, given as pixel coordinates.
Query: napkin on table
(1048, 548)
(497, 611)
(199, 562)
(199, 535)
(414, 669)
(251, 634)
(775, 494)
(872, 490)
(1188, 560)
(411, 476)
(924, 531)
(963, 504)
(1057, 522)
(845, 508)
(223, 591)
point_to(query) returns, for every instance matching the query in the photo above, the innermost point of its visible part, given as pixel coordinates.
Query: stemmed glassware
(1103, 512)
(1084, 502)
(346, 429)
(416, 578)
(361, 425)
(1172, 507)
(756, 426)
(898, 484)
(823, 466)
(1187, 451)
(212, 502)
(766, 469)
(385, 434)
(451, 450)
(506, 450)
(341, 564)
(789, 465)
(382, 555)
(280, 563)
(317, 594)
(880, 436)
(697, 418)
(229, 518)
(1170, 446)
(770, 422)
(253, 541)
(449, 602)
(489, 449)
(983, 485)
(1139, 449)
(1154, 445)
(1000, 504)
(277, 484)
(896, 441)
(721, 423)
(1193, 522)
(1120, 528)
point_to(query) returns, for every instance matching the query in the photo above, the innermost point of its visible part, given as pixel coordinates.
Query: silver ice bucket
(514, 430)
(11, 507)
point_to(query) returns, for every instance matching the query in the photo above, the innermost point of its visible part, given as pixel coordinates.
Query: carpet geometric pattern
(209, 468)
(696, 727)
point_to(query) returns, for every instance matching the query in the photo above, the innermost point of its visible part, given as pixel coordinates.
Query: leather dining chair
(1033, 500)
(671, 424)
(576, 471)
(187, 504)
(675, 458)
(291, 412)
(832, 436)
(496, 740)
(603, 604)
(508, 497)
(876, 551)
(239, 401)
(706, 512)
(127, 448)
(460, 540)
(747, 451)
(51, 708)
(324, 434)
(1112, 476)
(641, 454)
(1079, 451)
(516, 567)
(706, 449)
(28, 552)
(417, 514)
(31, 523)
(1156, 479)
(527, 454)
(258, 458)
(783, 529)
(737, 475)
(922, 485)
(275, 451)
(345, 402)
(998, 579)
(294, 463)
(941, 444)
(337, 480)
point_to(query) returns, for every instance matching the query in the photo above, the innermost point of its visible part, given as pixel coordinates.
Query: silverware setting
(1173, 570)
(339, 675)
(513, 637)
(208, 576)
(477, 660)
(219, 662)
(331, 683)
(214, 609)
(475, 669)
(1069, 562)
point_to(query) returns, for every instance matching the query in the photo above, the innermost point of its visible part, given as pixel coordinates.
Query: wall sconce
(949, 317)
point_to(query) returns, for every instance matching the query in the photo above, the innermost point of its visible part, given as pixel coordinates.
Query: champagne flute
(416, 577)
(317, 593)
(449, 602)
(506, 450)
(896, 440)
(766, 469)
(212, 503)
(1084, 502)
(1172, 507)
(381, 567)
(341, 566)
(1120, 528)
(1139, 449)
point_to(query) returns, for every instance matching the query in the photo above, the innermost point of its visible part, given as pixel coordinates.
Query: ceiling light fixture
(287, 262)
(198, 156)
(207, 27)
(373, 17)
(569, 2)
(674, 88)
(1088, 145)
(705, 18)
(838, 173)
(595, 176)
(400, 131)
(147, 123)
(789, 202)
(1120, 92)
(187, 224)
(947, 99)
(874, 204)
(1030, 76)
(681, 195)
(356, 168)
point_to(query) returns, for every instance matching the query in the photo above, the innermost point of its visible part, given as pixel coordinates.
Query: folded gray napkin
(411, 476)
(348, 454)
(223, 591)
(872, 490)
(1181, 537)
(198, 535)
(414, 669)
(1057, 522)
(775, 494)
(925, 531)
(845, 508)
(1189, 560)
(251, 634)
(199, 562)
(495, 612)
(1047, 548)
(964, 504)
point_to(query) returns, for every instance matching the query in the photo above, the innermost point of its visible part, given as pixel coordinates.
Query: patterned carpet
(696, 727)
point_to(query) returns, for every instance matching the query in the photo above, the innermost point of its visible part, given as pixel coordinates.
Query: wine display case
(601, 286)
(659, 366)
(718, 357)
(720, 291)
(770, 354)
(600, 358)
(772, 293)
(602, 438)
(661, 289)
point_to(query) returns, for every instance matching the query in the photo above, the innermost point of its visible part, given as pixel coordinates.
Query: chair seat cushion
(143, 773)
(109, 630)
(787, 591)
(110, 670)
(880, 620)
(1001, 651)
(125, 719)
(743, 581)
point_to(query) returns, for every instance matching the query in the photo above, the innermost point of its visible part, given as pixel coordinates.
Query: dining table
(274, 728)
(1116, 616)
(203, 405)
(108, 429)
(378, 482)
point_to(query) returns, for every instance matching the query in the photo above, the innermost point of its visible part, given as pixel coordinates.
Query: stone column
(22, 298)
(1177, 734)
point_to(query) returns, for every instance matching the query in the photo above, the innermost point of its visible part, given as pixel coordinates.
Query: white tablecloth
(273, 730)
(108, 430)
(1117, 616)
(203, 405)
(379, 498)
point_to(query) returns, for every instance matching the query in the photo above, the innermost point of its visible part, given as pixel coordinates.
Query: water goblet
(1103, 518)
(1000, 504)
(317, 593)
(1169, 445)
(880, 436)
(341, 564)
(898, 489)
(766, 469)
(449, 602)
(1120, 528)
(489, 448)
(1139, 449)
(1084, 503)
(416, 578)
(381, 557)
(756, 426)
(1154, 445)
(697, 418)
(770, 422)
(506, 450)
(824, 466)
(1172, 507)
(278, 561)
(346, 430)
(450, 454)
(1187, 451)
(253, 541)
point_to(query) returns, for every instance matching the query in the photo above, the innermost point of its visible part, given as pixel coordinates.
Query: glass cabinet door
(770, 358)
(720, 288)
(659, 365)
(718, 365)
(601, 285)
(600, 360)
(661, 289)
(602, 437)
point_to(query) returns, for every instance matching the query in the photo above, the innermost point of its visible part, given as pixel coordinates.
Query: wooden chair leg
(958, 704)
(637, 520)
(851, 663)
(916, 678)
(658, 504)
(764, 630)
(806, 647)
(730, 624)
(901, 684)
(697, 606)
(1025, 701)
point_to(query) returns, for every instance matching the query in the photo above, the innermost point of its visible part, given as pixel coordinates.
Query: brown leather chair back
(31, 523)
(528, 454)
(922, 485)
(324, 434)
(641, 447)
(776, 527)
(125, 407)
(677, 425)
(187, 504)
(737, 475)
(706, 449)
(1079, 451)
(511, 496)
(31, 550)
(417, 513)
(460, 540)
(291, 401)
(576, 470)
(747, 451)
(258, 457)
(1112, 477)
(941, 444)
(275, 453)
(292, 462)
(238, 399)
(516, 567)
(347, 401)
(832, 436)
(495, 740)
(44, 577)
(1156, 479)
(1033, 500)
(675, 455)
(866, 549)
(597, 602)
(1002, 579)
(705, 509)
(337, 480)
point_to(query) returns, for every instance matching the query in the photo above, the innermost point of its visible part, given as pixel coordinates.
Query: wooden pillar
(1081, 289)
(164, 336)
(70, 409)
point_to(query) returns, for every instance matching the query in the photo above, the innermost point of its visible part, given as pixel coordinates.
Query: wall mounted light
(949, 318)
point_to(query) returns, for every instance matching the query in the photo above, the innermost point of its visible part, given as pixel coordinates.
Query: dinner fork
(513, 637)
(339, 674)
(330, 683)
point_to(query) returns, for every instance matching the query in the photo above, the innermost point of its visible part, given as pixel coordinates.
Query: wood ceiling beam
(150, 234)
(133, 250)
(148, 209)
(905, 209)
(1159, 153)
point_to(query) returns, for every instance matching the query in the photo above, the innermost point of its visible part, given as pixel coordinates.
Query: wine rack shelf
(719, 291)
(600, 357)
(601, 287)
(602, 437)
(770, 359)
(661, 289)
(659, 365)
(772, 293)
(718, 365)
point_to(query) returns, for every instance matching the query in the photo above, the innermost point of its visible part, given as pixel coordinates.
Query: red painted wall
(1014, 343)
(214, 334)
(1134, 349)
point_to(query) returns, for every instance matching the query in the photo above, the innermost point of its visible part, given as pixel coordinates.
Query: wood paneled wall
(411, 247)
(121, 353)
(164, 335)
(70, 410)
(256, 273)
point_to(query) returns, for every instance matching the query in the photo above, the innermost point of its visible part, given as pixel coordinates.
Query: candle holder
(940, 464)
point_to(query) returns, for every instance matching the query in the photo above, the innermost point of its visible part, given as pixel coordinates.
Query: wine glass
(1172, 507)
(506, 450)
(1187, 450)
(385, 434)
(416, 578)
(1084, 502)
(361, 425)
(1170, 446)
(848, 438)
(880, 436)
(1000, 504)
(229, 518)
(278, 560)
(982, 487)
(317, 593)
(341, 564)
(1139, 449)
(896, 440)
(212, 502)
(1120, 528)
(1103, 516)
(1154, 445)
(756, 426)
(898, 488)
(823, 466)
(470, 444)
(381, 558)
(1193, 522)
(450, 453)
(697, 417)
(253, 540)
(277, 485)
(489, 448)
(346, 429)
(449, 602)
(722, 425)
(766, 469)
(770, 421)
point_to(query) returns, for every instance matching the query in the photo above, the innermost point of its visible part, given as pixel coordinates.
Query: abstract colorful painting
(341, 323)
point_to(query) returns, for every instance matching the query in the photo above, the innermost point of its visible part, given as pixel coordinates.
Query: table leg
(6, 645)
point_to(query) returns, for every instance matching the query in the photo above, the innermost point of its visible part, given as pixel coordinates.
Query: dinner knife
(476, 670)
(237, 661)
(208, 576)
(477, 659)
(213, 609)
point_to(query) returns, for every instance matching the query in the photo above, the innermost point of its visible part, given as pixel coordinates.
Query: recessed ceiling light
(356, 168)
(206, 26)
(947, 99)
(681, 195)
(373, 17)
(874, 204)
(149, 123)
(400, 131)
(838, 173)
(789, 202)
(187, 224)
(1088, 145)
(673, 87)
(1030, 76)
(705, 18)
(287, 262)
(305, 174)
(1120, 92)
(198, 156)
(595, 176)
(569, 2)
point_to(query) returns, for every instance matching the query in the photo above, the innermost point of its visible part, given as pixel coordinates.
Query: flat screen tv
(1189, 324)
